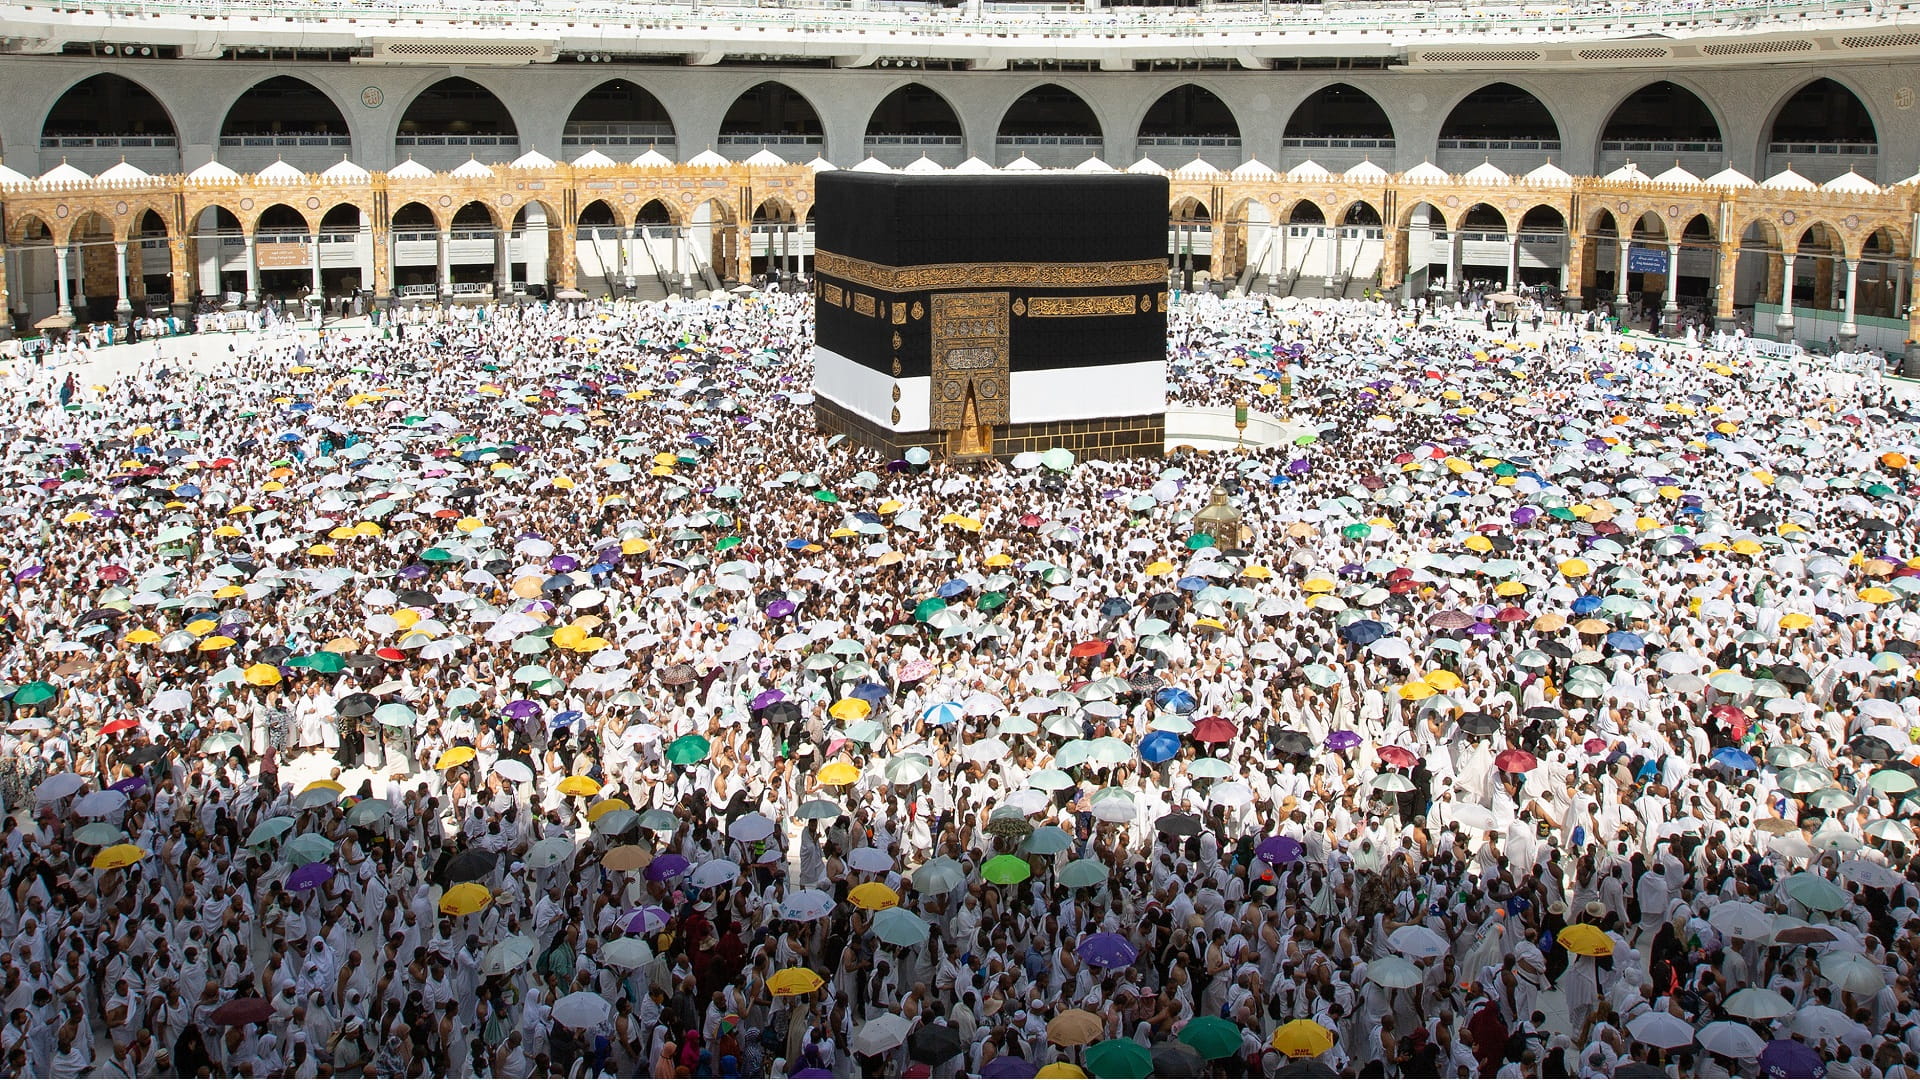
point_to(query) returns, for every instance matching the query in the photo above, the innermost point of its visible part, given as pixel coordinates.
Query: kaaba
(986, 315)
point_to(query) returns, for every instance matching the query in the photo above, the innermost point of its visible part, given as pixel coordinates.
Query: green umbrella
(549, 852)
(1213, 1037)
(898, 926)
(327, 663)
(1815, 891)
(307, 848)
(1359, 530)
(1047, 840)
(927, 608)
(726, 542)
(1059, 459)
(1199, 541)
(271, 829)
(99, 834)
(367, 812)
(660, 821)
(1083, 873)
(1119, 1058)
(688, 749)
(435, 554)
(992, 601)
(34, 693)
(1006, 870)
(1306, 440)
(825, 496)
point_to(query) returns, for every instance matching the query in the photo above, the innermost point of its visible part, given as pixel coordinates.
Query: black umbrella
(1178, 824)
(1791, 675)
(1363, 632)
(416, 598)
(143, 755)
(361, 660)
(1294, 742)
(933, 1044)
(1178, 1059)
(1871, 748)
(497, 567)
(470, 865)
(101, 614)
(558, 583)
(1901, 646)
(356, 705)
(1875, 525)
(1113, 607)
(1555, 650)
(782, 712)
(274, 654)
(1165, 601)
(1146, 684)
(1542, 712)
(1479, 724)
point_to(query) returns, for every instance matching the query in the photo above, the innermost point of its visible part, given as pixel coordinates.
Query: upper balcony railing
(1413, 18)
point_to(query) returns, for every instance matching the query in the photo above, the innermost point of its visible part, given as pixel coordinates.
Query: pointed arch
(1338, 115)
(1500, 116)
(1661, 118)
(284, 106)
(109, 105)
(771, 114)
(1049, 110)
(1188, 114)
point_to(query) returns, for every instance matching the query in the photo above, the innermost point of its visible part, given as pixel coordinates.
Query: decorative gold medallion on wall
(899, 316)
(1146, 304)
(1019, 307)
(896, 391)
(896, 339)
(896, 367)
(896, 416)
(918, 311)
(1163, 301)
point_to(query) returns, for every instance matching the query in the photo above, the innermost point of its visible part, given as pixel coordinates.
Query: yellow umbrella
(261, 675)
(1876, 595)
(1417, 691)
(1795, 620)
(1158, 568)
(320, 550)
(201, 627)
(1510, 588)
(467, 898)
(1586, 939)
(836, 773)
(1747, 547)
(569, 637)
(998, 559)
(334, 786)
(1256, 573)
(455, 756)
(1477, 542)
(1209, 624)
(1318, 585)
(606, 806)
(1075, 1027)
(873, 896)
(215, 643)
(228, 592)
(1302, 1039)
(1576, 568)
(793, 981)
(119, 856)
(76, 518)
(1441, 680)
(850, 709)
(142, 636)
(1067, 1070)
(581, 786)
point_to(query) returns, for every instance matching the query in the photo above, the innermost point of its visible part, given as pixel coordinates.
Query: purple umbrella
(780, 609)
(131, 784)
(1299, 467)
(1342, 740)
(646, 920)
(1009, 1068)
(311, 876)
(1524, 515)
(414, 571)
(766, 698)
(522, 709)
(1107, 951)
(667, 867)
(813, 1074)
(564, 563)
(1791, 1057)
(1279, 850)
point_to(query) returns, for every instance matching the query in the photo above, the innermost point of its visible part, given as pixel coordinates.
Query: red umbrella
(114, 572)
(1729, 714)
(1404, 585)
(390, 653)
(1516, 761)
(1398, 756)
(1511, 613)
(246, 1010)
(1031, 521)
(1214, 729)
(1088, 648)
(118, 726)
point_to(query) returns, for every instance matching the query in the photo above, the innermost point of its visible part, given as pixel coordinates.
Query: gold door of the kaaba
(970, 382)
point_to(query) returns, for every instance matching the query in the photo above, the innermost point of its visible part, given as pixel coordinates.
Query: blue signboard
(1646, 261)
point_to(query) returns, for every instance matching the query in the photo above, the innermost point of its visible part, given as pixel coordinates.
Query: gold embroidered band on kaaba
(1067, 307)
(991, 275)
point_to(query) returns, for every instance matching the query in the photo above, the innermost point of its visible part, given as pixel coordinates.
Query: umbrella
(1662, 1030)
(792, 982)
(1730, 1039)
(1586, 939)
(465, 899)
(874, 896)
(1757, 1003)
(933, 1044)
(246, 1010)
(1175, 1059)
(1006, 870)
(1119, 1058)
(1212, 1036)
(1302, 1039)
(881, 1034)
(898, 926)
(583, 1009)
(1790, 1057)
(1418, 942)
(1106, 951)
(1394, 973)
(1075, 1027)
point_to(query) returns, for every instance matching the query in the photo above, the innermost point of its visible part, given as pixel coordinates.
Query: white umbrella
(582, 1010)
(806, 905)
(751, 828)
(626, 953)
(1741, 919)
(882, 1033)
(1394, 973)
(870, 860)
(1663, 1030)
(1418, 942)
(1820, 1022)
(709, 875)
(1757, 1003)
(1853, 973)
(1729, 1038)
(100, 803)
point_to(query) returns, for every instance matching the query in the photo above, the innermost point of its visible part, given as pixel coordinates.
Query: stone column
(6, 306)
(1513, 260)
(443, 244)
(1573, 271)
(319, 284)
(1670, 313)
(1849, 334)
(182, 251)
(1453, 261)
(253, 274)
(1620, 301)
(60, 281)
(1332, 283)
(1726, 272)
(382, 244)
(502, 266)
(1783, 329)
(123, 308)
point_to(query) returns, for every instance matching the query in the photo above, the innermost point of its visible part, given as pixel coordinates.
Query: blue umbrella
(1363, 631)
(952, 589)
(291, 436)
(1586, 605)
(1113, 607)
(1626, 640)
(1192, 583)
(1107, 951)
(1175, 700)
(187, 491)
(946, 712)
(872, 693)
(1735, 758)
(1159, 746)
